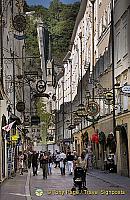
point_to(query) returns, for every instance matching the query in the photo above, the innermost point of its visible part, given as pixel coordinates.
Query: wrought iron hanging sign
(35, 120)
(19, 37)
(41, 86)
(108, 98)
(20, 106)
(92, 108)
(19, 23)
(126, 89)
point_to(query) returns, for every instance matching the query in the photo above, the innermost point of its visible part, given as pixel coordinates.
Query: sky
(46, 3)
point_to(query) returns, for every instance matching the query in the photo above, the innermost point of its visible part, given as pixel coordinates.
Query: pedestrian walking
(62, 162)
(41, 154)
(62, 167)
(50, 161)
(70, 159)
(29, 159)
(90, 159)
(57, 161)
(82, 162)
(35, 163)
(75, 159)
(21, 158)
(54, 156)
(44, 162)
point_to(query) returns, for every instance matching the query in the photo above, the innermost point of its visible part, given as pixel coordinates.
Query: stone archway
(123, 157)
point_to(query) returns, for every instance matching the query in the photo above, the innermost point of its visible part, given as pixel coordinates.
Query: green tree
(55, 9)
(45, 118)
(61, 24)
(59, 19)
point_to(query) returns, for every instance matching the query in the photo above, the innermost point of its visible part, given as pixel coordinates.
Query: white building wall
(122, 27)
(41, 40)
(74, 60)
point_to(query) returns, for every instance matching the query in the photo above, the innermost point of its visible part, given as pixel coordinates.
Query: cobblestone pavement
(101, 185)
(58, 187)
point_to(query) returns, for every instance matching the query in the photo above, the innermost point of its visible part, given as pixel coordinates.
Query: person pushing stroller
(80, 170)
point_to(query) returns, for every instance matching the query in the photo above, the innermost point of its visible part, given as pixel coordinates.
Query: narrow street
(100, 185)
(64, 99)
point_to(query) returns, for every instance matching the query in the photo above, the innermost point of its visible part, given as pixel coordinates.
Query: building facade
(10, 87)
(122, 76)
(81, 75)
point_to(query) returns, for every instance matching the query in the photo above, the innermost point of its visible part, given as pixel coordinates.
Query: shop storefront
(97, 137)
(107, 149)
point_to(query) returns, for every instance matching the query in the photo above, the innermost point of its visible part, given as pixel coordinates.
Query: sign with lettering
(126, 89)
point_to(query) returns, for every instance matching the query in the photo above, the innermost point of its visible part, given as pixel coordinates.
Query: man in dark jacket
(35, 163)
(29, 159)
(44, 162)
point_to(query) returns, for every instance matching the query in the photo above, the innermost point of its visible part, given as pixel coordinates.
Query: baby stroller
(110, 163)
(79, 179)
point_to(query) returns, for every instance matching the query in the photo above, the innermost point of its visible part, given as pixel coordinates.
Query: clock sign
(92, 108)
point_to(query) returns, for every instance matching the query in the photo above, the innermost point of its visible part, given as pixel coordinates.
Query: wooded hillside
(59, 19)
